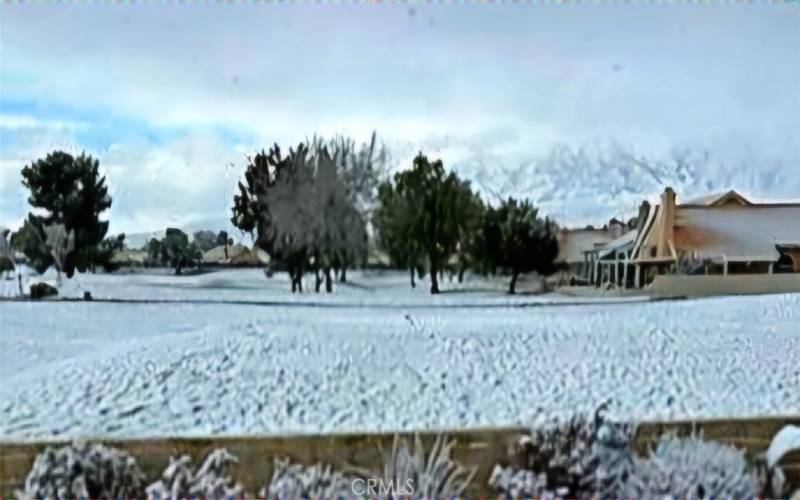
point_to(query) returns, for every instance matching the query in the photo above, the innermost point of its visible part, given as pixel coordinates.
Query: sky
(556, 102)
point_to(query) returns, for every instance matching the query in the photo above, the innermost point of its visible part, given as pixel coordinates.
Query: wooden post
(625, 273)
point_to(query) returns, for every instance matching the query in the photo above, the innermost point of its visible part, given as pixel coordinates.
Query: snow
(785, 441)
(377, 356)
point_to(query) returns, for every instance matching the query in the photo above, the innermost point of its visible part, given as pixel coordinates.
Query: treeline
(309, 210)
(428, 220)
(313, 209)
(176, 251)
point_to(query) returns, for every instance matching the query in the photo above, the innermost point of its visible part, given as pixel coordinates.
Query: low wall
(732, 284)
(480, 448)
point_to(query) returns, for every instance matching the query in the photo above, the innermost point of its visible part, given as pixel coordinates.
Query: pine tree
(516, 240)
(72, 192)
(422, 215)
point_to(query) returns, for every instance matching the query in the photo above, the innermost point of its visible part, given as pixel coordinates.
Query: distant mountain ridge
(589, 186)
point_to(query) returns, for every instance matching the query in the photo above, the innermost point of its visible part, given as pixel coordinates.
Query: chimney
(644, 211)
(667, 222)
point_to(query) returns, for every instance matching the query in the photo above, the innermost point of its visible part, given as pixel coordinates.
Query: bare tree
(59, 243)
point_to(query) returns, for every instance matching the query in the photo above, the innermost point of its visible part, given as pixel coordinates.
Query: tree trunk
(411, 273)
(328, 281)
(318, 280)
(512, 287)
(343, 276)
(434, 278)
(461, 274)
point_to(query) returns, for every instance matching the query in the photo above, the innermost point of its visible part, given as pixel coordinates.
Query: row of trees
(428, 219)
(176, 251)
(309, 210)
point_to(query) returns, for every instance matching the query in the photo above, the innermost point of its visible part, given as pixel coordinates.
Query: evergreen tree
(177, 251)
(393, 221)
(516, 240)
(6, 252)
(71, 192)
(425, 205)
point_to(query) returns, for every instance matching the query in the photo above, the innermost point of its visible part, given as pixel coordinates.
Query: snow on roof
(748, 234)
(129, 255)
(572, 243)
(716, 199)
(237, 254)
(621, 243)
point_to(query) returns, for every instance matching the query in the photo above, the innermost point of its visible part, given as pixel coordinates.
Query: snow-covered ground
(377, 355)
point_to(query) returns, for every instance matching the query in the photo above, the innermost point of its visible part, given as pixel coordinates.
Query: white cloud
(487, 89)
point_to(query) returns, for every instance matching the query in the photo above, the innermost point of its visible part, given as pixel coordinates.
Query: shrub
(437, 476)
(212, 480)
(407, 470)
(691, 468)
(576, 457)
(83, 471)
(290, 481)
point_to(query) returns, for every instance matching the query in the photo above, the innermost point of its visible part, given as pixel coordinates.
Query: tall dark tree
(71, 191)
(393, 221)
(433, 200)
(6, 252)
(224, 240)
(177, 251)
(471, 209)
(516, 240)
(154, 252)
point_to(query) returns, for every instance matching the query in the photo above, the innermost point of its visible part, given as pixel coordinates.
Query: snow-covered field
(377, 355)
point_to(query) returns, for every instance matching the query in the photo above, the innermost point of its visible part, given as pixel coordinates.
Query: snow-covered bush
(574, 457)
(407, 471)
(290, 481)
(582, 458)
(690, 467)
(83, 471)
(434, 476)
(786, 441)
(212, 480)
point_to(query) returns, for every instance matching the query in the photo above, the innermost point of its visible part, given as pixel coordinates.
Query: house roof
(720, 199)
(573, 242)
(129, 255)
(624, 242)
(237, 252)
(749, 234)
